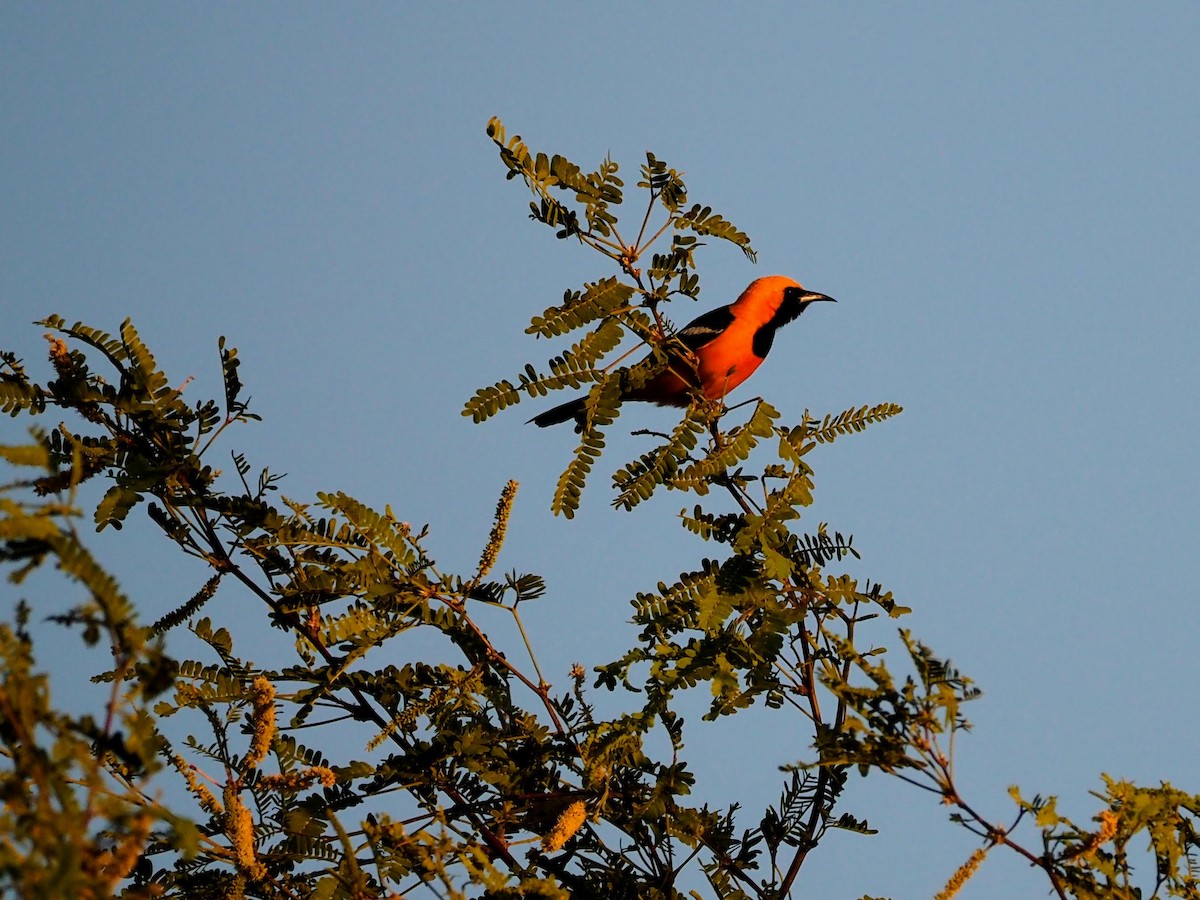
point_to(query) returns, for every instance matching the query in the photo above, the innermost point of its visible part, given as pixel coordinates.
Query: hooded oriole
(728, 343)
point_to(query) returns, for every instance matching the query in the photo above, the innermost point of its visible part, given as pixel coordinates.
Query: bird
(729, 344)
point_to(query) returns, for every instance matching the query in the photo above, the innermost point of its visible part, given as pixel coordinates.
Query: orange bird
(728, 343)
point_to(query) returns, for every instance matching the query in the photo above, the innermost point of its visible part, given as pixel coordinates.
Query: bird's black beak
(813, 297)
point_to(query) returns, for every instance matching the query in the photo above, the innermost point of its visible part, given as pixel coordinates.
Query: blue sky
(1004, 199)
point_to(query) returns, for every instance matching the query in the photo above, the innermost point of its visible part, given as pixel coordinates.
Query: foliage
(469, 775)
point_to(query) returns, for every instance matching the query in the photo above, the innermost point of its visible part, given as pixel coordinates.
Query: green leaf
(832, 427)
(703, 221)
(601, 409)
(234, 406)
(736, 449)
(35, 455)
(638, 480)
(602, 298)
(115, 506)
(490, 400)
(18, 394)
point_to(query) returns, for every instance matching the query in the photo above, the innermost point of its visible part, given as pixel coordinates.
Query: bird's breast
(728, 361)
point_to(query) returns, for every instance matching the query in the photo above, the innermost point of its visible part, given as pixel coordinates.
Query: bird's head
(782, 299)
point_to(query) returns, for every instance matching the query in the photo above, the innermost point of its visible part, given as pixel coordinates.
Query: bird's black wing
(704, 328)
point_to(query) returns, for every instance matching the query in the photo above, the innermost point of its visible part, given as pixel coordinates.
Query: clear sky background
(1004, 199)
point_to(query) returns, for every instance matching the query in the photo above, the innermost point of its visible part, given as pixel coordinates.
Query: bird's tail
(572, 409)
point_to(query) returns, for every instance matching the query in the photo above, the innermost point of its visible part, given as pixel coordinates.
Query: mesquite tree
(472, 774)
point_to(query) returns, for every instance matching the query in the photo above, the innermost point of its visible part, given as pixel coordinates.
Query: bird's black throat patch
(763, 339)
